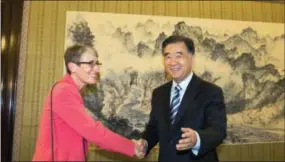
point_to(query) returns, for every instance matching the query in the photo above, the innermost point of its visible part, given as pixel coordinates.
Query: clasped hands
(188, 140)
(140, 148)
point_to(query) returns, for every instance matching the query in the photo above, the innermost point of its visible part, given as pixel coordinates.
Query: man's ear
(193, 57)
(72, 67)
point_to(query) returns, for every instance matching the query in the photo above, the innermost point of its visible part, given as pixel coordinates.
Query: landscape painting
(246, 59)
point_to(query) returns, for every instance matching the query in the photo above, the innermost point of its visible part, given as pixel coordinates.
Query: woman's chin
(92, 81)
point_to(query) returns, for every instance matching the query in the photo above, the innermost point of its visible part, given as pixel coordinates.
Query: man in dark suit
(188, 117)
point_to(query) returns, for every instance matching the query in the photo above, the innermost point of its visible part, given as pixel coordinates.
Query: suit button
(171, 142)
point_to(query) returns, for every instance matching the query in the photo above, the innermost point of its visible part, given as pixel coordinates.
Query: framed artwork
(245, 58)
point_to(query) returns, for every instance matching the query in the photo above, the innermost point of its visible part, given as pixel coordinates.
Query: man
(188, 116)
(65, 126)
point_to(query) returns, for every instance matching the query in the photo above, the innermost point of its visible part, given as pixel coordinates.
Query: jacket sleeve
(214, 130)
(150, 133)
(68, 105)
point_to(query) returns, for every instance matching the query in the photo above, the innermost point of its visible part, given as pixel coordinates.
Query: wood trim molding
(11, 18)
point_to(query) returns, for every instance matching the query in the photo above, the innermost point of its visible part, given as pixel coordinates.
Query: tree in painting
(80, 33)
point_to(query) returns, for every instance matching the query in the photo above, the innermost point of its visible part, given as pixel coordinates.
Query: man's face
(177, 61)
(88, 71)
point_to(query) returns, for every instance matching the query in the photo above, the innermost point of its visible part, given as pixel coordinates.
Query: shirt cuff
(196, 148)
(146, 143)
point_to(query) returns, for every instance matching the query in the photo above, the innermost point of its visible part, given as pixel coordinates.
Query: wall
(41, 61)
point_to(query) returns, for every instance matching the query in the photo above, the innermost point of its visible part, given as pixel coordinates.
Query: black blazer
(202, 109)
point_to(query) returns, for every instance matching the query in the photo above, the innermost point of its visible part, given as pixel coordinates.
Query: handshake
(140, 148)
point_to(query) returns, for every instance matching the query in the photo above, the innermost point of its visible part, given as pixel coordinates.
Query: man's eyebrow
(166, 53)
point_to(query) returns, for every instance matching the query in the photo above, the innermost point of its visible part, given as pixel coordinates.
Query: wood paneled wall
(41, 61)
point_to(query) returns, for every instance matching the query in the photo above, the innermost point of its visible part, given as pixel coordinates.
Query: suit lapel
(166, 105)
(188, 98)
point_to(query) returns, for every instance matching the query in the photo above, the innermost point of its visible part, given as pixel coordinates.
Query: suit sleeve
(215, 125)
(150, 133)
(69, 107)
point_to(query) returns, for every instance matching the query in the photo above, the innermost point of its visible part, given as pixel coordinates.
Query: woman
(65, 126)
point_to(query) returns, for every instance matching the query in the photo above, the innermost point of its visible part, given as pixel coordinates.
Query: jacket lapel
(188, 98)
(166, 105)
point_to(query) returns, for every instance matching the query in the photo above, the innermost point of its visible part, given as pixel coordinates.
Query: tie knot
(178, 88)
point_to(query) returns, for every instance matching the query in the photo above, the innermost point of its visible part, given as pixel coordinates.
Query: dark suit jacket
(202, 109)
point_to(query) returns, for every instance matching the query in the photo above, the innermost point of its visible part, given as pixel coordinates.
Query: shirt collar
(184, 83)
(67, 78)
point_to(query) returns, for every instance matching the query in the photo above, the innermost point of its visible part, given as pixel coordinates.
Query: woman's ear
(72, 67)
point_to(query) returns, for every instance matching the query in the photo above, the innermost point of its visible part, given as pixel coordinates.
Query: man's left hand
(188, 139)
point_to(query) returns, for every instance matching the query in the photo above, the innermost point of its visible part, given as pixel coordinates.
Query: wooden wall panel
(146, 7)
(195, 9)
(171, 8)
(122, 7)
(44, 60)
(159, 8)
